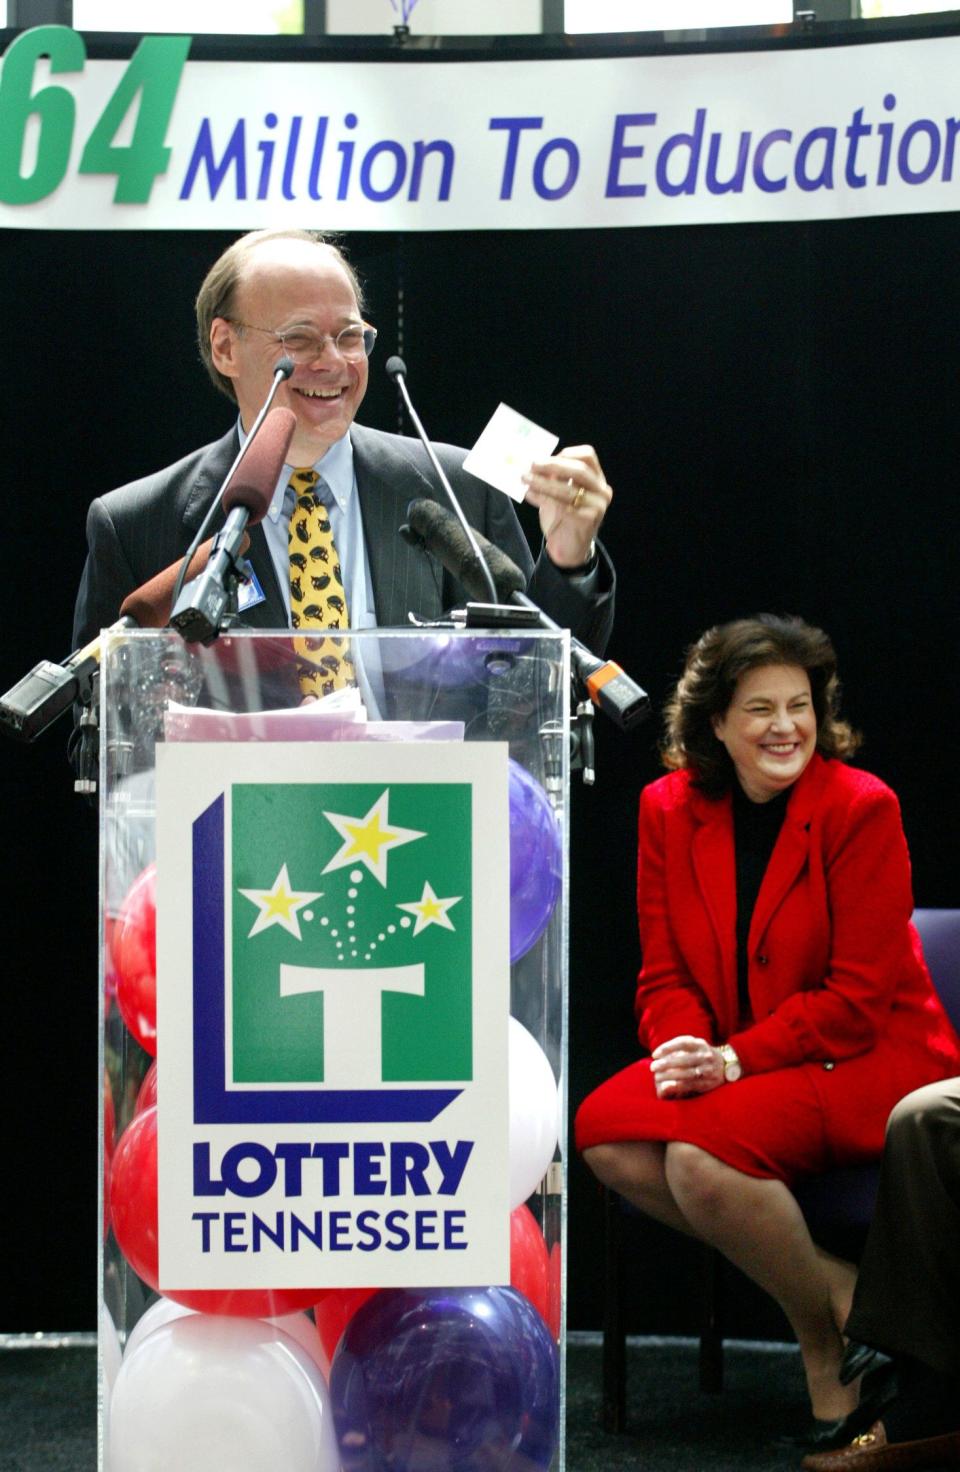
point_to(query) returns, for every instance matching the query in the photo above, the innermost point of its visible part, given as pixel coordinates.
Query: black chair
(837, 1205)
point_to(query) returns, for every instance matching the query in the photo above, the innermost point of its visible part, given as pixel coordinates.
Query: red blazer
(835, 966)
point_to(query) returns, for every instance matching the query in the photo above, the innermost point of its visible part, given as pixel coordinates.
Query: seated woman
(783, 995)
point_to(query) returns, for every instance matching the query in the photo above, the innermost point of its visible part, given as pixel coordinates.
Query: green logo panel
(353, 879)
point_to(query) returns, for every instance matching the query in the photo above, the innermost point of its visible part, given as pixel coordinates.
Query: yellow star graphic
(430, 910)
(279, 905)
(368, 840)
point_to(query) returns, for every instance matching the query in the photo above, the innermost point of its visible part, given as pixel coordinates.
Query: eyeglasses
(352, 342)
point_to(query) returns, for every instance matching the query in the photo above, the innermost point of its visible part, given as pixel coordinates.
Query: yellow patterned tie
(317, 597)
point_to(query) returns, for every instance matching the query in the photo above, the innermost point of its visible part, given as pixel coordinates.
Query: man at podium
(327, 553)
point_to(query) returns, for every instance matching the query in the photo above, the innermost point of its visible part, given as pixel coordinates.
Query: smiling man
(328, 553)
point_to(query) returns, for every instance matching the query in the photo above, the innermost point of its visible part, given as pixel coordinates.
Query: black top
(755, 829)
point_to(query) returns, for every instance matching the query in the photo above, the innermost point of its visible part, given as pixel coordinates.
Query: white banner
(161, 142)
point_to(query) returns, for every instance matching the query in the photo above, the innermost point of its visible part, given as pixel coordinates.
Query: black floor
(47, 1410)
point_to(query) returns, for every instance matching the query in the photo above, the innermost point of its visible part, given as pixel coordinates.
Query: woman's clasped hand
(686, 1065)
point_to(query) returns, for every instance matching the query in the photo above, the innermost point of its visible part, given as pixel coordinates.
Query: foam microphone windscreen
(255, 479)
(441, 533)
(151, 604)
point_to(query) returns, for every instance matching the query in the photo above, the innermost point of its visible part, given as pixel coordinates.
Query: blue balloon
(536, 861)
(450, 1379)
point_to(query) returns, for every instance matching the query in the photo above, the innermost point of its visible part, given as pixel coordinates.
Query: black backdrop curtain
(775, 406)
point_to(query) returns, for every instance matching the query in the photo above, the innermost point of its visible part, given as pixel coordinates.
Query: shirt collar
(336, 467)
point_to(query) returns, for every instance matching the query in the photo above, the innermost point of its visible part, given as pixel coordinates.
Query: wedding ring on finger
(577, 498)
(698, 1071)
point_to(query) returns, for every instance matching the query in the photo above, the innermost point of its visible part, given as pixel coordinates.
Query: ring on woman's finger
(698, 1071)
(577, 498)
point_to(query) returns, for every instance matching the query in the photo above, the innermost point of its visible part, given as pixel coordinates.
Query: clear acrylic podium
(333, 1054)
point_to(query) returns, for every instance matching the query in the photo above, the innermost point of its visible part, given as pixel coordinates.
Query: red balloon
(109, 1140)
(133, 1203)
(135, 959)
(109, 968)
(109, 1117)
(556, 1279)
(530, 1262)
(106, 1197)
(334, 1311)
(133, 1195)
(147, 1093)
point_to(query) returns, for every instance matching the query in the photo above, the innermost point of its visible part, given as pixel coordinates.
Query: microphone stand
(524, 613)
(211, 604)
(282, 370)
(398, 372)
(616, 694)
(85, 739)
(495, 614)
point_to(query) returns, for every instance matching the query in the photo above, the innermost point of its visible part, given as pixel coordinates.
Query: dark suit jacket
(144, 527)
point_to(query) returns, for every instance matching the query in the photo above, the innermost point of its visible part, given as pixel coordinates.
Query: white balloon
(534, 1113)
(304, 1331)
(298, 1326)
(210, 1393)
(164, 1311)
(112, 1353)
(112, 1356)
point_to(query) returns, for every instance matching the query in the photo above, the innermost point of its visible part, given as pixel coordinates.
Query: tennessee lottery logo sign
(333, 993)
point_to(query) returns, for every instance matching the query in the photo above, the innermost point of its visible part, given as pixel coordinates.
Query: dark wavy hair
(217, 293)
(713, 666)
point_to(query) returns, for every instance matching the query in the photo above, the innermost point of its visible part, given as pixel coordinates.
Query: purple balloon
(536, 868)
(452, 661)
(450, 1379)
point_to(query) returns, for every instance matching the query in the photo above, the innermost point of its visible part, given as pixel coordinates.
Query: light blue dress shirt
(337, 489)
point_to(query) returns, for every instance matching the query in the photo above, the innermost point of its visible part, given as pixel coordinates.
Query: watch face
(731, 1064)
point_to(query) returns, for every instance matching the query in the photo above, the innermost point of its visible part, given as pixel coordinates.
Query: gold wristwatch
(731, 1063)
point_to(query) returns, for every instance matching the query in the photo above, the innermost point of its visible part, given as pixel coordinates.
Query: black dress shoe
(860, 1359)
(827, 1436)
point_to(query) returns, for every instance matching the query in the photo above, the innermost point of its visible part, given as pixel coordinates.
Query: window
(672, 15)
(191, 17)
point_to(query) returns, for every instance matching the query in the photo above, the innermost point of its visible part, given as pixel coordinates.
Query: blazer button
(828, 1067)
(763, 960)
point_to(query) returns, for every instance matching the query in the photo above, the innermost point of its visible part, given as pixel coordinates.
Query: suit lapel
(404, 578)
(791, 850)
(198, 494)
(211, 473)
(713, 864)
(272, 612)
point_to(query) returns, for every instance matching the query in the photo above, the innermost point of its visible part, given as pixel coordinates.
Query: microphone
(609, 687)
(431, 526)
(35, 702)
(199, 611)
(282, 369)
(397, 370)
